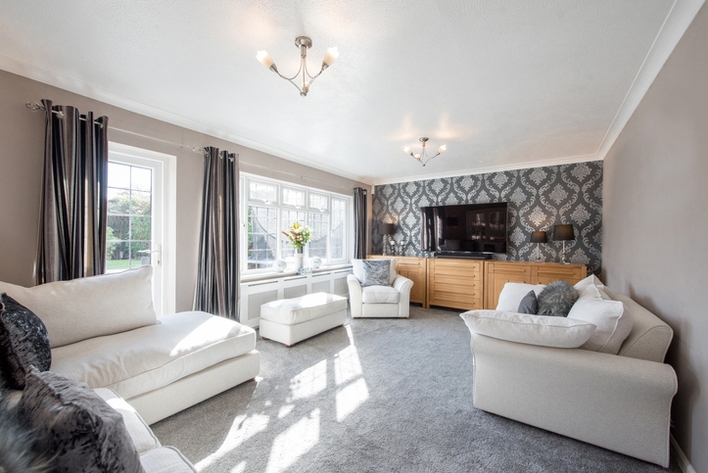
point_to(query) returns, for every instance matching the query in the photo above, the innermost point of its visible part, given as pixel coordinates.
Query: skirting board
(681, 458)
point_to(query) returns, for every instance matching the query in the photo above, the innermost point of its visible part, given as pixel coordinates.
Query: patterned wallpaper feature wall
(538, 199)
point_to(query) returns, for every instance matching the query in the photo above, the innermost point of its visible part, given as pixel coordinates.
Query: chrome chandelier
(423, 157)
(303, 43)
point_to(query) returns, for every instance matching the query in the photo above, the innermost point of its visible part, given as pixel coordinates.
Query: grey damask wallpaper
(538, 199)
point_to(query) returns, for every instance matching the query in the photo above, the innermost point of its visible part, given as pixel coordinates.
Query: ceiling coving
(505, 85)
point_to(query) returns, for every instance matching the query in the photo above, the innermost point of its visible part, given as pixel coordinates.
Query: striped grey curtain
(359, 223)
(217, 290)
(73, 208)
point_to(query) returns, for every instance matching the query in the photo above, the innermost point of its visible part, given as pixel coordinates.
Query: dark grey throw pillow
(529, 304)
(81, 431)
(376, 273)
(556, 299)
(24, 342)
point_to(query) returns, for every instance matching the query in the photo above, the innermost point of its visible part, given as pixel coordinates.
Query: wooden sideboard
(469, 284)
(498, 273)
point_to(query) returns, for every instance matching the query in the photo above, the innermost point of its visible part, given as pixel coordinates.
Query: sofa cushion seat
(139, 432)
(379, 295)
(148, 358)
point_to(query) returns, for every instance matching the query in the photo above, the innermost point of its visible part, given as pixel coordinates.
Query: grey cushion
(24, 342)
(529, 304)
(376, 273)
(556, 299)
(82, 432)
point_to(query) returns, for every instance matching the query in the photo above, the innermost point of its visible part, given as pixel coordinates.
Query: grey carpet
(380, 395)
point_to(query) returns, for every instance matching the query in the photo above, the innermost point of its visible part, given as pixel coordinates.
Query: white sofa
(104, 332)
(379, 301)
(154, 458)
(620, 401)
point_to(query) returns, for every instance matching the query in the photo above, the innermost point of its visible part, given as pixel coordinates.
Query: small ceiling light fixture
(303, 43)
(423, 157)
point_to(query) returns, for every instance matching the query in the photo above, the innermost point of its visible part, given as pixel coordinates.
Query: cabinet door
(413, 269)
(500, 273)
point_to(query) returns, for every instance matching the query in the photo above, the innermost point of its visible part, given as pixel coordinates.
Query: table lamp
(563, 233)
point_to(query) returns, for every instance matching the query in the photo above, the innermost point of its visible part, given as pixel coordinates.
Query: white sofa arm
(354, 295)
(403, 285)
(616, 402)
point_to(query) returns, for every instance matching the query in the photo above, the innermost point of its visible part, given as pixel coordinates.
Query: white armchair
(379, 301)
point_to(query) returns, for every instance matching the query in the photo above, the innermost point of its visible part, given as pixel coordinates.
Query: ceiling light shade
(423, 157)
(303, 43)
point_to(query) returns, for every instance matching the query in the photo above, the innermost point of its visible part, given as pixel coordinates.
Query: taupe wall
(655, 229)
(21, 148)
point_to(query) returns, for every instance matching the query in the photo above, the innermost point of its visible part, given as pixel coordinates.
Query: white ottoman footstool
(289, 321)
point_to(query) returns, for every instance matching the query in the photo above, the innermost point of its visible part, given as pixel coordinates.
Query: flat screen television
(461, 230)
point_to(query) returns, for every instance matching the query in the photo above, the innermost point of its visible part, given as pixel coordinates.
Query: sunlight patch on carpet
(294, 442)
(242, 429)
(346, 365)
(350, 398)
(309, 382)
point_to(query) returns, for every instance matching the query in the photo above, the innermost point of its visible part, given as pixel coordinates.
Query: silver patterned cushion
(24, 342)
(82, 432)
(376, 273)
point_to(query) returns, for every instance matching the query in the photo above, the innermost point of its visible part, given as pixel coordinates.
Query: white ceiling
(505, 84)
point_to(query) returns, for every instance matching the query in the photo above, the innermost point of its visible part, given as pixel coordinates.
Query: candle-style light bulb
(265, 59)
(330, 56)
(407, 149)
(442, 149)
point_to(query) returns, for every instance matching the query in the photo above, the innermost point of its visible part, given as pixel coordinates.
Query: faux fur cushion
(82, 432)
(529, 304)
(556, 299)
(24, 342)
(17, 453)
(376, 273)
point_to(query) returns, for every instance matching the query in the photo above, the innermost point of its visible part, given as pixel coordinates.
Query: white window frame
(245, 202)
(164, 202)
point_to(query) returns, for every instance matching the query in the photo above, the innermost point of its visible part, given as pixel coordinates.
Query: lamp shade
(563, 232)
(539, 237)
(386, 228)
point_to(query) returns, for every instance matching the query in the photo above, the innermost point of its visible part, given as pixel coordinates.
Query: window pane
(294, 197)
(139, 253)
(140, 228)
(264, 192)
(262, 242)
(118, 227)
(141, 179)
(319, 222)
(140, 204)
(339, 217)
(288, 217)
(318, 201)
(119, 175)
(118, 201)
(117, 255)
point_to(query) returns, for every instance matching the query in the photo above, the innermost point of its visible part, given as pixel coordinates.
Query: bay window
(269, 207)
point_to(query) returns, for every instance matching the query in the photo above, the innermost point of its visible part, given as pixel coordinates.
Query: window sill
(274, 275)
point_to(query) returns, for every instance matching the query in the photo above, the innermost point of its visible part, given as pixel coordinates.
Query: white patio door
(141, 218)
